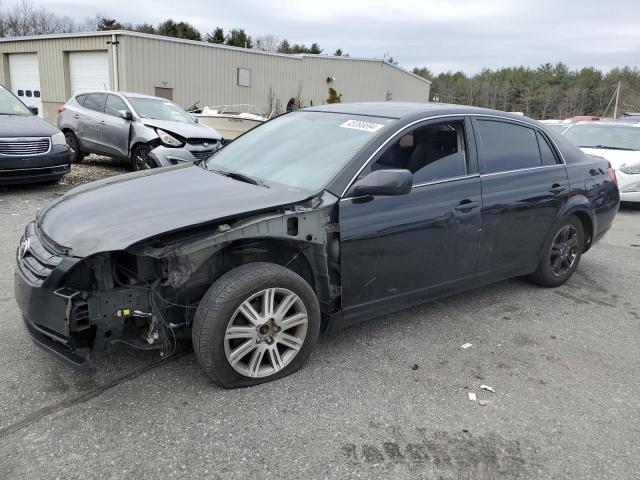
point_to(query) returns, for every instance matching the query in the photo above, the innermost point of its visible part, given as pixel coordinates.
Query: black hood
(25, 126)
(114, 213)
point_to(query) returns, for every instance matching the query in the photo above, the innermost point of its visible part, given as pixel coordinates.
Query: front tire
(140, 159)
(75, 154)
(257, 323)
(562, 254)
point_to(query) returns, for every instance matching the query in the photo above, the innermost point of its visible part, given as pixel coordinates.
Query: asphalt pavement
(385, 399)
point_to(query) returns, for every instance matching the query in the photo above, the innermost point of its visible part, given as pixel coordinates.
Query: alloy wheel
(564, 251)
(143, 160)
(71, 145)
(266, 332)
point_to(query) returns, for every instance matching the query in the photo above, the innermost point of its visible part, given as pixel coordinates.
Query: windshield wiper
(608, 147)
(241, 177)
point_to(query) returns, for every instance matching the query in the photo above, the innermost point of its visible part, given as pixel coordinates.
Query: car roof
(124, 94)
(406, 109)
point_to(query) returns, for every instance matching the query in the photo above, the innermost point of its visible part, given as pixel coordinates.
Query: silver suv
(130, 126)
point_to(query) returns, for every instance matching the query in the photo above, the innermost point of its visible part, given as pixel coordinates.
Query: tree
(315, 49)
(170, 28)
(334, 97)
(104, 23)
(423, 72)
(145, 28)
(284, 47)
(217, 36)
(297, 49)
(25, 19)
(337, 53)
(239, 38)
(267, 43)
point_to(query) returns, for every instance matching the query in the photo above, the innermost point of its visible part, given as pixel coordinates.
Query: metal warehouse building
(44, 71)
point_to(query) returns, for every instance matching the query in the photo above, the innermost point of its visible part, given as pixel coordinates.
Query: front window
(156, 109)
(301, 149)
(616, 137)
(10, 105)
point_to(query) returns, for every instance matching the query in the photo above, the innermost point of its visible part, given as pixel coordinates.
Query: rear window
(505, 146)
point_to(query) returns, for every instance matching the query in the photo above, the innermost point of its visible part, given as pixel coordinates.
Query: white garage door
(24, 75)
(88, 71)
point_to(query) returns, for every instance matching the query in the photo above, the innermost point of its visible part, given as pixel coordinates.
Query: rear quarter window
(80, 98)
(547, 154)
(506, 146)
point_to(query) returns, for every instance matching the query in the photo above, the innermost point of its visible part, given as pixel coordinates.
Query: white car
(617, 142)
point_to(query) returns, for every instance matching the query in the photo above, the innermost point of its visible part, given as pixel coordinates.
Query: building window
(244, 77)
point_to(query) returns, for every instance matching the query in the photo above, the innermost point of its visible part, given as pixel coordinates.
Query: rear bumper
(38, 168)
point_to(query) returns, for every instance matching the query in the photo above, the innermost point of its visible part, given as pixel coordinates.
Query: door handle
(75, 115)
(466, 206)
(102, 122)
(557, 189)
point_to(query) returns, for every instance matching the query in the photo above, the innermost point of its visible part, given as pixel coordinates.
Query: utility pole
(615, 109)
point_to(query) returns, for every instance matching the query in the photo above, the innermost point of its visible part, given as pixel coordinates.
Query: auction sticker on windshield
(364, 126)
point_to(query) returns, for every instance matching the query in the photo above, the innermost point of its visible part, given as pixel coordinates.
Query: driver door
(396, 250)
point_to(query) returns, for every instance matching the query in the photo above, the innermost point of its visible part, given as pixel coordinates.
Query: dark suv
(31, 150)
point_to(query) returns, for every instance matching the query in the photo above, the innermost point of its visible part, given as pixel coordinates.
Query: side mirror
(34, 110)
(126, 114)
(383, 182)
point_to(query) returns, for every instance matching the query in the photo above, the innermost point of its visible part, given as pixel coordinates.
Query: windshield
(605, 136)
(301, 149)
(10, 105)
(159, 110)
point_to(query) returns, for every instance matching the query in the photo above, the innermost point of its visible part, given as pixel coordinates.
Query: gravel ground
(92, 168)
(386, 399)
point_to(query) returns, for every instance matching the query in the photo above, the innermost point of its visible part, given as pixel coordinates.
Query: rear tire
(257, 323)
(75, 154)
(562, 254)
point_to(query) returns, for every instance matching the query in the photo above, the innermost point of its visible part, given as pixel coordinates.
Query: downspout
(114, 52)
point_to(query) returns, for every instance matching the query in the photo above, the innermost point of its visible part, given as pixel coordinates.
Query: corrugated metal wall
(53, 65)
(197, 71)
(200, 72)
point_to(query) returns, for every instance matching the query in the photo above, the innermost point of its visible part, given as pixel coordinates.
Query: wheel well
(134, 146)
(587, 228)
(288, 254)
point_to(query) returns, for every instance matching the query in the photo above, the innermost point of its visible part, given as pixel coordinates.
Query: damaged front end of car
(146, 295)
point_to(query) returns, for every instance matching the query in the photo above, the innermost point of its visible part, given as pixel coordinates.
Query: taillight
(61, 109)
(612, 175)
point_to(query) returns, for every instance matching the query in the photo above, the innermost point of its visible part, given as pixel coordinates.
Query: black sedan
(311, 222)
(31, 150)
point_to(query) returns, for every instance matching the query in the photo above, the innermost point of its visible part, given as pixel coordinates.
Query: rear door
(87, 118)
(397, 249)
(524, 186)
(113, 129)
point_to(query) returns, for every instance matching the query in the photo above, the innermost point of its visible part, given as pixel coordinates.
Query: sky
(442, 35)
